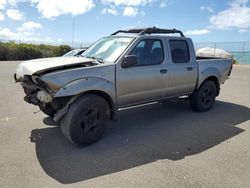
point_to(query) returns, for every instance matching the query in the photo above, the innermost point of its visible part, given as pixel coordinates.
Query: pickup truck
(127, 68)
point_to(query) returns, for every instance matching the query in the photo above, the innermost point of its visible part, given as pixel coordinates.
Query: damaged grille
(32, 89)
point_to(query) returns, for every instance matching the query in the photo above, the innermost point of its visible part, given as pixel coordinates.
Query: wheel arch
(215, 80)
(77, 88)
(107, 97)
(71, 99)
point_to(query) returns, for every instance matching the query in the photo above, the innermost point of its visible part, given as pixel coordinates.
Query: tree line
(13, 51)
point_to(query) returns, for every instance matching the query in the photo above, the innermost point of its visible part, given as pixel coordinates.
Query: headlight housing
(38, 81)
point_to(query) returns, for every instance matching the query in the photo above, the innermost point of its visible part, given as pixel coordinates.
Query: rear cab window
(179, 51)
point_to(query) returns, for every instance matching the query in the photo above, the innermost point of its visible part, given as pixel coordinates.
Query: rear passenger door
(182, 70)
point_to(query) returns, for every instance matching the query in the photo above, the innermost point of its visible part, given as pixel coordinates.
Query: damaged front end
(54, 83)
(41, 79)
(37, 93)
(39, 89)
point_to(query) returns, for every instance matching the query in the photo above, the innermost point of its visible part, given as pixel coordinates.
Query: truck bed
(220, 66)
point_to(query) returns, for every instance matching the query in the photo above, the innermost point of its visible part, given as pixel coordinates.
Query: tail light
(229, 73)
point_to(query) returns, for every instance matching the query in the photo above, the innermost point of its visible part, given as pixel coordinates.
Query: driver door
(148, 79)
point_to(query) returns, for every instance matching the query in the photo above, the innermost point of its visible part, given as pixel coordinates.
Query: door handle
(163, 71)
(189, 68)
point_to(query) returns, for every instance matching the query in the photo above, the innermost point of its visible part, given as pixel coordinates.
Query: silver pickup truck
(127, 68)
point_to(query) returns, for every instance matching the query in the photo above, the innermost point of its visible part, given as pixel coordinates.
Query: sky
(52, 20)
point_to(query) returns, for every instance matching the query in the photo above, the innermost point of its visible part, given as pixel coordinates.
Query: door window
(179, 51)
(148, 52)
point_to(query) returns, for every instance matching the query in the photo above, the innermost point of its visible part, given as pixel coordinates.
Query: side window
(179, 51)
(148, 52)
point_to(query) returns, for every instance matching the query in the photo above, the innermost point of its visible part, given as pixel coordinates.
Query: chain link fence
(240, 50)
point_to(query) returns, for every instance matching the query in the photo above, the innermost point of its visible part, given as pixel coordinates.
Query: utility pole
(243, 48)
(73, 31)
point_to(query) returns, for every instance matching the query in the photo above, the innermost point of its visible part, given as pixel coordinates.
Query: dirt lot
(162, 145)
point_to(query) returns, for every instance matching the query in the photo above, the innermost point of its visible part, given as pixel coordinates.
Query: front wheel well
(65, 102)
(107, 98)
(216, 81)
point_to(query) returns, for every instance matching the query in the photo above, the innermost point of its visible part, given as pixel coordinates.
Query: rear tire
(86, 120)
(203, 98)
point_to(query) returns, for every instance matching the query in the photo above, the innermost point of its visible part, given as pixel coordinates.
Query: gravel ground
(161, 145)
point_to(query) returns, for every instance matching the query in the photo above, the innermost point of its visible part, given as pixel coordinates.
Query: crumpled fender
(87, 84)
(84, 85)
(208, 73)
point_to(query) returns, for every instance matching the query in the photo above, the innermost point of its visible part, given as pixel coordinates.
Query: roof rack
(150, 30)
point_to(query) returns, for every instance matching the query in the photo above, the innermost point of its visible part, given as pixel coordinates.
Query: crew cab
(127, 68)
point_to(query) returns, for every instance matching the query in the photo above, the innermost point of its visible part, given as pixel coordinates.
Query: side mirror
(129, 61)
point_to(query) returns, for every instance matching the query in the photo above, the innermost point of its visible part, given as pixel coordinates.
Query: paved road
(162, 145)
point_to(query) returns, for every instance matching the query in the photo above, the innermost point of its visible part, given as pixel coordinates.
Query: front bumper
(18, 79)
(35, 94)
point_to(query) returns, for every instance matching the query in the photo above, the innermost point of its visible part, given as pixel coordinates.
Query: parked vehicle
(139, 66)
(75, 52)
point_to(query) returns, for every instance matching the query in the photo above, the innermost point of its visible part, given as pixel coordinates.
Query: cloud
(164, 3)
(12, 3)
(29, 37)
(6, 33)
(30, 26)
(239, 2)
(243, 31)
(53, 8)
(130, 11)
(127, 2)
(207, 8)
(15, 14)
(24, 36)
(50, 9)
(3, 4)
(1, 17)
(59, 40)
(197, 32)
(110, 10)
(236, 16)
(129, 7)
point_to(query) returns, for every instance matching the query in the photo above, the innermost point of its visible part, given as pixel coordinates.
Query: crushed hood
(40, 65)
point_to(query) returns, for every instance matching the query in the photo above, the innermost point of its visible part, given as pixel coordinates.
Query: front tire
(203, 98)
(86, 120)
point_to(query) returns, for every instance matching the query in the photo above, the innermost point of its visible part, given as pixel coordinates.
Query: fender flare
(209, 72)
(85, 85)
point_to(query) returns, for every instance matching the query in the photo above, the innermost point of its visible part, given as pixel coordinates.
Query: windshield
(108, 49)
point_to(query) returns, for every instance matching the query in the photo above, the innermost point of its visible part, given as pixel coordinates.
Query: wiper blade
(79, 55)
(100, 60)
